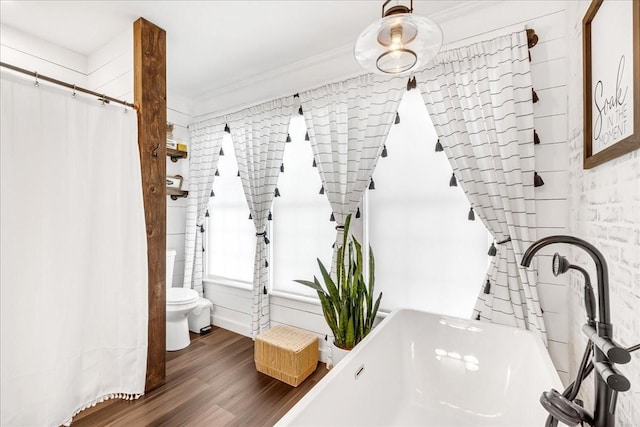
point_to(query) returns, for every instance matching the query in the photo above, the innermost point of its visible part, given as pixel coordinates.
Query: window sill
(295, 297)
(232, 283)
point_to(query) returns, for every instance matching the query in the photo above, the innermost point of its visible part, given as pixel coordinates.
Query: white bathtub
(424, 369)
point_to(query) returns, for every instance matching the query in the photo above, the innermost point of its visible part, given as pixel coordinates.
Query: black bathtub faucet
(608, 381)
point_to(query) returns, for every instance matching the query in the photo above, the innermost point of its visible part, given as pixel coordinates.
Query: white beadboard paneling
(232, 320)
(118, 86)
(231, 300)
(176, 242)
(300, 319)
(560, 331)
(31, 63)
(551, 213)
(119, 46)
(552, 157)
(553, 299)
(556, 186)
(552, 129)
(176, 217)
(552, 101)
(546, 17)
(549, 74)
(111, 71)
(42, 56)
(559, 355)
(565, 378)
(550, 231)
(179, 118)
(548, 50)
(178, 273)
(231, 307)
(280, 299)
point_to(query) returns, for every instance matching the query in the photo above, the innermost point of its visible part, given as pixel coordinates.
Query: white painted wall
(232, 305)
(108, 70)
(604, 205)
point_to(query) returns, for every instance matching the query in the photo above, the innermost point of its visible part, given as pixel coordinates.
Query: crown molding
(333, 65)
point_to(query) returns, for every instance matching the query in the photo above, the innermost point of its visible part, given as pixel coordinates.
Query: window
(429, 256)
(231, 234)
(302, 231)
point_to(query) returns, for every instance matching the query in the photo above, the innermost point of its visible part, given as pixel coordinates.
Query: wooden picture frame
(611, 48)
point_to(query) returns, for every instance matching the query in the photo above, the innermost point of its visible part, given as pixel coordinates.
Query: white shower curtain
(74, 263)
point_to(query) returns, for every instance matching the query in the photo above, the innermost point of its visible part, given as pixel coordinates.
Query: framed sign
(611, 43)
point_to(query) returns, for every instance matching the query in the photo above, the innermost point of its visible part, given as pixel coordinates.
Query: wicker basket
(287, 354)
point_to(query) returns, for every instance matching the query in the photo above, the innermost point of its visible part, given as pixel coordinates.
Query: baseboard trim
(231, 325)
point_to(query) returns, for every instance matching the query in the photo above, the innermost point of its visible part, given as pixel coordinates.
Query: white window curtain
(259, 135)
(74, 255)
(480, 100)
(205, 140)
(348, 123)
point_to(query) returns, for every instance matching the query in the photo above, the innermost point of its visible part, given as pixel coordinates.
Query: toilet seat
(179, 296)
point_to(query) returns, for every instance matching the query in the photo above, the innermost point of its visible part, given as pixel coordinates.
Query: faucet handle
(614, 352)
(614, 379)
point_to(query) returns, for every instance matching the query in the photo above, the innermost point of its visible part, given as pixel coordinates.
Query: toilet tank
(171, 258)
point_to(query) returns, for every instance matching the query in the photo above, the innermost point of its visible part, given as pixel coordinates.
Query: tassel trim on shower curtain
(123, 396)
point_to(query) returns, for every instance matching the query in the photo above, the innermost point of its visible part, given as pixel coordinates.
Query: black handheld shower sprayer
(608, 381)
(561, 265)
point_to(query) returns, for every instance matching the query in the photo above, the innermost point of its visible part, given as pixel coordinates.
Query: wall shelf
(176, 154)
(175, 193)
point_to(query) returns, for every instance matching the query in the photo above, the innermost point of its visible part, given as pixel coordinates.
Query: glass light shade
(398, 44)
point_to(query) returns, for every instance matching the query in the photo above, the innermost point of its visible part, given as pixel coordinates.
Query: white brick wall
(604, 205)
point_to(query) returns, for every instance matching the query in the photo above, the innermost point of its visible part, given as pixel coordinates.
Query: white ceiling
(210, 44)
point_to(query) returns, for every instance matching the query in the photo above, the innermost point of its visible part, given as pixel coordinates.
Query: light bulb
(396, 37)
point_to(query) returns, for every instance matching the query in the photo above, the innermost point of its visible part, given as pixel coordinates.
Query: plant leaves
(329, 283)
(329, 314)
(313, 285)
(372, 316)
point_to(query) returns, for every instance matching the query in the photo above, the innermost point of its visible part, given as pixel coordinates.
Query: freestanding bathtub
(423, 369)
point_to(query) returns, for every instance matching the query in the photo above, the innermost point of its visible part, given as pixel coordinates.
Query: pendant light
(399, 42)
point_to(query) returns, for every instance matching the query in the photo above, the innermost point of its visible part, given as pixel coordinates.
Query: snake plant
(347, 301)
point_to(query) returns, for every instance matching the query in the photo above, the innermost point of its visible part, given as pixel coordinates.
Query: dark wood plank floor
(213, 382)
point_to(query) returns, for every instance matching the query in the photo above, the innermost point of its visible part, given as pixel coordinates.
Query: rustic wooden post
(150, 89)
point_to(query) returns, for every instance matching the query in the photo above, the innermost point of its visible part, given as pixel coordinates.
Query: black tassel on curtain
(487, 287)
(471, 216)
(537, 180)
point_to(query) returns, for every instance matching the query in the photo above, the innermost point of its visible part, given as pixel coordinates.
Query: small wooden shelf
(176, 154)
(174, 193)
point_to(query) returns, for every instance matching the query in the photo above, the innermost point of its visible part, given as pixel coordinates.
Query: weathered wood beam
(150, 88)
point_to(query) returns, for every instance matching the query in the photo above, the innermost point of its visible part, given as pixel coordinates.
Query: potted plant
(347, 302)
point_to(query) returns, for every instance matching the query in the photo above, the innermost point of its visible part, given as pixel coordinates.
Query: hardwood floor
(213, 382)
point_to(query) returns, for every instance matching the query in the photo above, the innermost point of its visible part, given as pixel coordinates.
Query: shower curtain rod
(100, 96)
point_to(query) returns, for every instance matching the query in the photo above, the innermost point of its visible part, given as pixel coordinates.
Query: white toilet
(180, 302)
